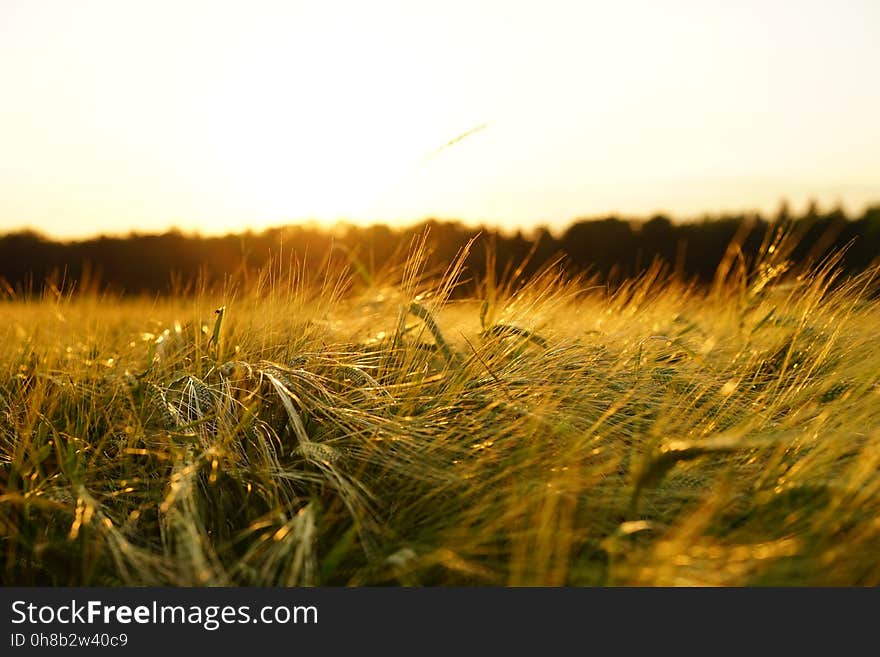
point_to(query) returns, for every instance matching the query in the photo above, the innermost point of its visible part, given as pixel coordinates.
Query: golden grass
(325, 429)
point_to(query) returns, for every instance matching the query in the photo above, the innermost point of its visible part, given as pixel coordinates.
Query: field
(323, 424)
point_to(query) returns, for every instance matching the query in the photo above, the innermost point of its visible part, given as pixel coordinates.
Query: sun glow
(327, 136)
(318, 155)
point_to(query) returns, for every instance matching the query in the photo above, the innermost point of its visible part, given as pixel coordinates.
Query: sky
(215, 116)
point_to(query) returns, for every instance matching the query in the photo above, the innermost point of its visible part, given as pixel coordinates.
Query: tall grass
(404, 426)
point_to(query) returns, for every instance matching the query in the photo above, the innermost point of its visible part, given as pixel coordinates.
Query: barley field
(324, 424)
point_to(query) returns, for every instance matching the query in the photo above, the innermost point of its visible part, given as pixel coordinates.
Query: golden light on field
(221, 116)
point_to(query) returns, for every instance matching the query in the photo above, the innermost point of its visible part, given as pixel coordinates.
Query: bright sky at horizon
(220, 116)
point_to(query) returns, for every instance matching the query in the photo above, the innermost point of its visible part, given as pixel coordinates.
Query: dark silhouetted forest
(612, 248)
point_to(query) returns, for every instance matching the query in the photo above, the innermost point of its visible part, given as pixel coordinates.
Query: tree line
(612, 248)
